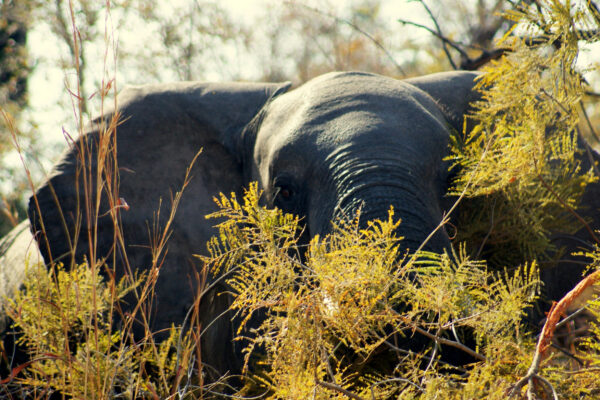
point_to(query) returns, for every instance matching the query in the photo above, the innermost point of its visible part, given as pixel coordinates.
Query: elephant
(341, 142)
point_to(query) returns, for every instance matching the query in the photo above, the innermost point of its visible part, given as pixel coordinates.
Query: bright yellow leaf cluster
(353, 314)
(520, 166)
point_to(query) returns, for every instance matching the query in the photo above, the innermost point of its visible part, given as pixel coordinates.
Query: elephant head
(346, 141)
(339, 143)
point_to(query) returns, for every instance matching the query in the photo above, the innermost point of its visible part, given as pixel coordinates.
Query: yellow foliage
(522, 159)
(340, 317)
(66, 320)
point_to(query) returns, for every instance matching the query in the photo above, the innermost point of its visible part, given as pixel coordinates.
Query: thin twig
(340, 389)
(567, 353)
(489, 233)
(569, 209)
(450, 343)
(353, 26)
(446, 215)
(439, 31)
(403, 380)
(440, 340)
(433, 358)
(411, 353)
(579, 135)
(574, 314)
(545, 338)
(580, 371)
(444, 39)
(548, 385)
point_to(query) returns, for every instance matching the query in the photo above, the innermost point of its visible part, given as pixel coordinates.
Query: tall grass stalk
(67, 311)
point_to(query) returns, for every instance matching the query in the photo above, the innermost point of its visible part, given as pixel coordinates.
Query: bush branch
(557, 310)
(440, 340)
(338, 388)
(569, 209)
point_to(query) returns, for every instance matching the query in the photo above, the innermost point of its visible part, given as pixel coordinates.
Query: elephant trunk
(417, 221)
(384, 177)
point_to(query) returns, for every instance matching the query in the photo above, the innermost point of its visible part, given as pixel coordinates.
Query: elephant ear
(162, 129)
(453, 92)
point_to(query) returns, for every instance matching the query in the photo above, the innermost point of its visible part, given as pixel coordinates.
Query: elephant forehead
(348, 108)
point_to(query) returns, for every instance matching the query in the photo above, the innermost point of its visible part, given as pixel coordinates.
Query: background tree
(14, 71)
(307, 41)
(14, 66)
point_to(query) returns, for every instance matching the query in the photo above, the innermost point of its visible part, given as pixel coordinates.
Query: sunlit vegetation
(522, 162)
(335, 322)
(351, 314)
(340, 320)
(67, 328)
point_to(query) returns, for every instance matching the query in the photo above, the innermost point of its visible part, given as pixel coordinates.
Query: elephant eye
(284, 192)
(284, 195)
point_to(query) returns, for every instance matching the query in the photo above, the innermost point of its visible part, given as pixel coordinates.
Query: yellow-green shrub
(66, 324)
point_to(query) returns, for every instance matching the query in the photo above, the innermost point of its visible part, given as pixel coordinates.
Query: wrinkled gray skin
(340, 142)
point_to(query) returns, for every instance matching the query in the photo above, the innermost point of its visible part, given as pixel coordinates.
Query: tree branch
(356, 28)
(471, 64)
(557, 310)
(439, 31)
(440, 340)
(444, 39)
(450, 343)
(338, 388)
